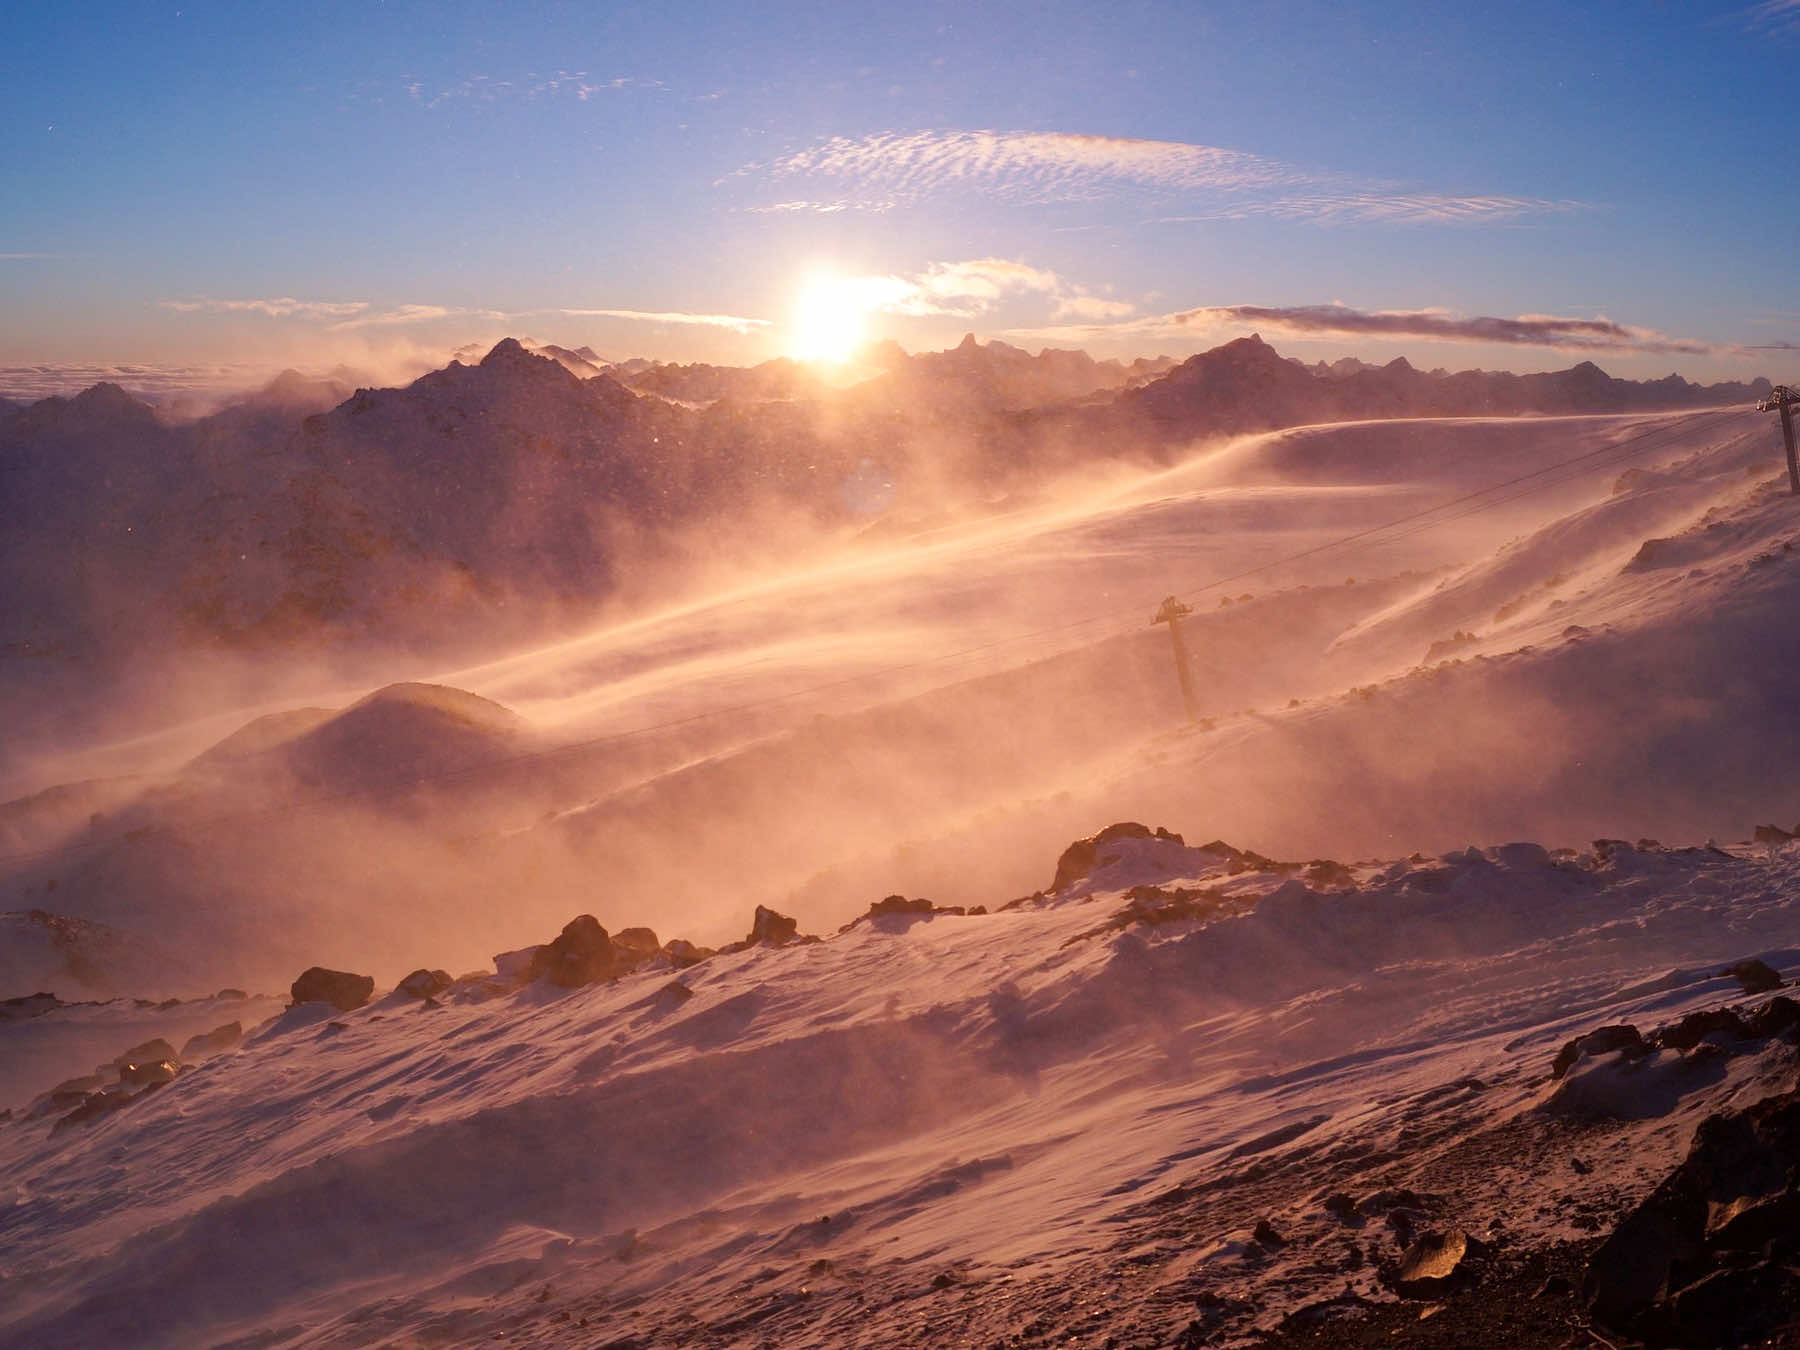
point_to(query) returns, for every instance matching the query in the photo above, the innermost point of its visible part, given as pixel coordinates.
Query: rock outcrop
(341, 989)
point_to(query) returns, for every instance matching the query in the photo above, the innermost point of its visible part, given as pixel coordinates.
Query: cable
(1417, 521)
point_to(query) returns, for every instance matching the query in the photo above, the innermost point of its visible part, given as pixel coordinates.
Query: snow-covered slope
(1059, 1121)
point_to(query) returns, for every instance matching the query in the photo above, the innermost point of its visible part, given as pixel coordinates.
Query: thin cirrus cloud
(1434, 325)
(1775, 16)
(280, 307)
(736, 323)
(343, 314)
(577, 84)
(1039, 168)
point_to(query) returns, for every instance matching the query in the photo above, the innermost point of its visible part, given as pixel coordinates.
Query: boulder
(424, 983)
(339, 988)
(1696, 1026)
(581, 954)
(148, 1052)
(1757, 977)
(771, 928)
(682, 953)
(1771, 834)
(1709, 1257)
(211, 1042)
(1600, 1041)
(635, 947)
(150, 1073)
(1434, 1264)
(514, 967)
(1081, 857)
(898, 904)
(1774, 1017)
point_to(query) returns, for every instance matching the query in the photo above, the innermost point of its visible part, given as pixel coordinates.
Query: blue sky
(1467, 185)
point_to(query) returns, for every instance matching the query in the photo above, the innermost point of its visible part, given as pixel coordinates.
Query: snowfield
(1184, 1094)
(1045, 1122)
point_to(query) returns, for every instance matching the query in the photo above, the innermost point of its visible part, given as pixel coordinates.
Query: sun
(830, 320)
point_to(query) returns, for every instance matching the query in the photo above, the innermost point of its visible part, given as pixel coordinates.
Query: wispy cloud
(405, 314)
(1775, 16)
(734, 322)
(1039, 168)
(281, 307)
(968, 289)
(575, 84)
(28, 257)
(1431, 325)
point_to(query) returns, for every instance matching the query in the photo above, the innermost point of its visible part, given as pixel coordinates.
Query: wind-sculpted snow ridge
(1187, 1095)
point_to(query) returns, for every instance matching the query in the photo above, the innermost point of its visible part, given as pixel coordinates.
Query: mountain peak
(506, 352)
(968, 344)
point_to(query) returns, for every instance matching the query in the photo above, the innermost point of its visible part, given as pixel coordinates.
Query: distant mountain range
(492, 501)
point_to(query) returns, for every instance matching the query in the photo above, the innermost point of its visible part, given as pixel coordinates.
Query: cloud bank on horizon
(1554, 332)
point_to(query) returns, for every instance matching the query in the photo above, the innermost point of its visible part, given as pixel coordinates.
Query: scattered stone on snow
(1600, 1041)
(1756, 977)
(424, 983)
(771, 928)
(211, 1042)
(341, 989)
(581, 954)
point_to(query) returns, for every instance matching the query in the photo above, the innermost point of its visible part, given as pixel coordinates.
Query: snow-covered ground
(942, 1129)
(1047, 1122)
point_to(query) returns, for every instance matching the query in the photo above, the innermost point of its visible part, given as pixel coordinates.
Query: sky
(197, 188)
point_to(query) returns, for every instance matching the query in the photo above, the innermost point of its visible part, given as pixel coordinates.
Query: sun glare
(830, 320)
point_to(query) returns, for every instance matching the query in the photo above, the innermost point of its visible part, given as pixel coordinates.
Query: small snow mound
(408, 730)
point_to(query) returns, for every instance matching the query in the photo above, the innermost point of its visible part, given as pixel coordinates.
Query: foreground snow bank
(1148, 1080)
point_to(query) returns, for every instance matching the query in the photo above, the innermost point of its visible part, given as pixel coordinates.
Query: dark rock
(675, 992)
(211, 1042)
(153, 1049)
(95, 1105)
(1755, 976)
(424, 983)
(27, 1005)
(633, 947)
(581, 954)
(1600, 1041)
(770, 928)
(231, 996)
(1555, 1286)
(1658, 1276)
(1265, 1233)
(1770, 834)
(977, 909)
(1696, 1026)
(1774, 1017)
(518, 967)
(1081, 857)
(899, 904)
(1342, 1208)
(339, 988)
(682, 953)
(148, 1073)
(1433, 1264)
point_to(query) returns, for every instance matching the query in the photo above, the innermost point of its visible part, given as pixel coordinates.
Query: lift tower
(1171, 613)
(1782, 399)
